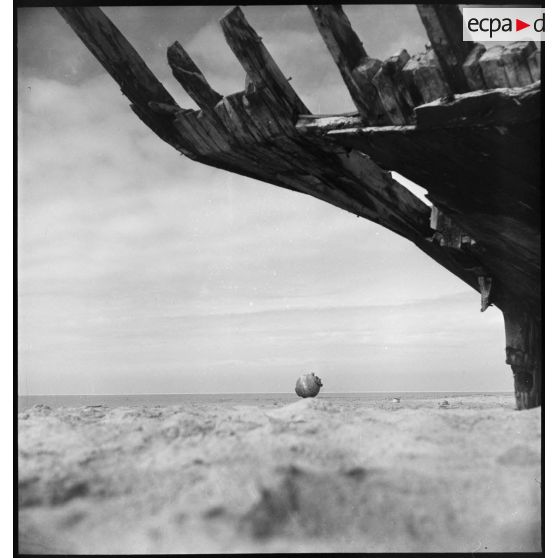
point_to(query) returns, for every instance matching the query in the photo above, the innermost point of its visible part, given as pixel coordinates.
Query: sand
(310, 476)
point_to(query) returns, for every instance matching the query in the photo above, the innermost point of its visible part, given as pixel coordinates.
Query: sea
(25, 402)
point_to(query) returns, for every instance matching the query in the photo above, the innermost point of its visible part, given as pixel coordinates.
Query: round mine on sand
(308, 385)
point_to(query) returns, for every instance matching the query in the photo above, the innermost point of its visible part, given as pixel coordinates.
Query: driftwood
(461, 120)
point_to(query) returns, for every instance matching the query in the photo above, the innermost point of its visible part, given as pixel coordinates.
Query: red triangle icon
(519, 25)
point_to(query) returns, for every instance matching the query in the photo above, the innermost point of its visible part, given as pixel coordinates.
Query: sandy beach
(308, 476)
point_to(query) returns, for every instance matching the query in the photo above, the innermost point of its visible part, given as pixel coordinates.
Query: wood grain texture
(444, 26)
(116, 55)
(424, 78)
(356, 67)
(391, 86)
(256, 60)
(523, 329)
(187, 73)
(534, 63)
(472, 68)
(508, 66)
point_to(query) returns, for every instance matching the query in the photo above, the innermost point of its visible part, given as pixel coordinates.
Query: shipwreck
(460, 120)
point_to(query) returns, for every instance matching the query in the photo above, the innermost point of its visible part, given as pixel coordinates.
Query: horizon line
(262, 393)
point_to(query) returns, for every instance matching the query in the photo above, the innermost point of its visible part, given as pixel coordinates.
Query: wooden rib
(117, 55)
(151, 102)
(356, 68)
(444, 26)
(507, 66)
(163, 108)
(472, 68)
(492, 67)
(395, 97)
(516, 61)
(228, 112)
(191, 78)
(399, 209)
(161, 126)
(534, 63)
(424, 78)
(262, 70)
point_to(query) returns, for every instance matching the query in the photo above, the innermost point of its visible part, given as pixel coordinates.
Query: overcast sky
(141, 271)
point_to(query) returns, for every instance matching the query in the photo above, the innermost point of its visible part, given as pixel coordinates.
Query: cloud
(392, 347)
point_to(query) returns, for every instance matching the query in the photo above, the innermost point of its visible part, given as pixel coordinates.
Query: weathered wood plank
(356, 68)
(472, 68)
(424, 78)
(492, 66)
(534, 62)
(444, 26)
(396, 99)
(515, 59)
(524, 341)
(163, 108)
(151, 102)
(493, 107)
(315, 124)
(160, 124)
(271, 118)
(187, 124)
(257, 62)
(191, 78)
(403, 211)
(465, 171)
(507, 66)
(234, 122)
(447, 233)
(117, 55)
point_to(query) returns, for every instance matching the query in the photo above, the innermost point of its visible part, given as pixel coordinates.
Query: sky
(141, 271)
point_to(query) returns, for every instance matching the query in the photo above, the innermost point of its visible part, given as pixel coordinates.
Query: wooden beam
(257, 62)
(471, 68)
(394, 93)
(516, 61)
(483, 108)
(341, 40)
(151, 102)
(356, 68)
(191, 78)
(524, 343)
(508, 66)
(534, 63)
(444, 26)
(163, 108)
(425, 78)
(447, 233)
(117, 55)
(316, 124)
